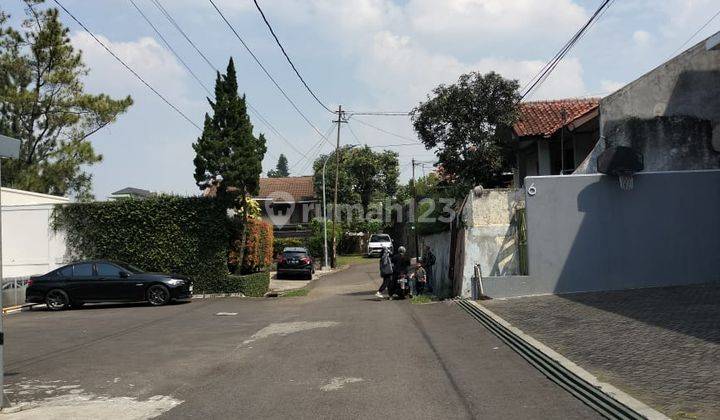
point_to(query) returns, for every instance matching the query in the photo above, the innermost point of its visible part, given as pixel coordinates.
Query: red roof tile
(300, 187)
(543, 118)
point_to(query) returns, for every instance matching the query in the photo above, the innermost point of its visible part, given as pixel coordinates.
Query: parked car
(105, 281)
(295, 260)
(376, 244)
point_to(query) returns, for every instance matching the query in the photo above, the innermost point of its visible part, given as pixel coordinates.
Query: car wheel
(57, 300)
(158, 295)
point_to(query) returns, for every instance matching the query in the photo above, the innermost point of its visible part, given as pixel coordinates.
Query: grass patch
(354, 260)
(296, 293)
(419, 300)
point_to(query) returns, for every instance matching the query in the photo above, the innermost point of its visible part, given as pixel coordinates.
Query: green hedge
(254, 285)
(186, 235)
(282, 243)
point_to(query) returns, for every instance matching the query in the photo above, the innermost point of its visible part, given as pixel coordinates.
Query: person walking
(429, 263)
(386, 271)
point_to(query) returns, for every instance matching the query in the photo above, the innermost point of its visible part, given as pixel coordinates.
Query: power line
(382, 130)
(319, 144)
(357, 139)
(267, 73)
(134, 73)
(393, 145)
(695, 34)
(254, 110)
(287, 57)
(167, 44)
(187, 38)
(380, 113)
(545, 71)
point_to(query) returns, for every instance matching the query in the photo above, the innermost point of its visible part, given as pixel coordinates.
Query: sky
(366, 55)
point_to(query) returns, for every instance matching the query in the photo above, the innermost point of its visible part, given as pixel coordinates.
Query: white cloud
(610, 86)
(641, 38)
(399, 69)
(479, 19)
(153, 62)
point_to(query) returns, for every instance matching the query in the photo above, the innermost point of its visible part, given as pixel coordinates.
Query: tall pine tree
(227, 155)
(281, 170)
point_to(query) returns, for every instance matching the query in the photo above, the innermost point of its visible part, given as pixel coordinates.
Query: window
(82, 270)
(107, 270)
(380, 238)
(66, 271)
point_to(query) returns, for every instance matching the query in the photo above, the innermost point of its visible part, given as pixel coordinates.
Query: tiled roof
(543, 118)
(299, 187)
(133, 191)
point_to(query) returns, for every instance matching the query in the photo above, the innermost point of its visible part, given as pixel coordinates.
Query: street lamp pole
(325, 249)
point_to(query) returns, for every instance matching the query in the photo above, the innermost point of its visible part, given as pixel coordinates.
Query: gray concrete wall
(671, 114)
(586, 234)
(439, 243)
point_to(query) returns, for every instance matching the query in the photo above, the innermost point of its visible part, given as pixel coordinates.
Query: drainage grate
(578, 387)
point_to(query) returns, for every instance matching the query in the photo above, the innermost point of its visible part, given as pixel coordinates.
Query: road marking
(285, 328)
(339, 383)
(226, 313)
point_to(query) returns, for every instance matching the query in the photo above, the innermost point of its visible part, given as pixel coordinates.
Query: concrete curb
(217, 295)
(620, 396)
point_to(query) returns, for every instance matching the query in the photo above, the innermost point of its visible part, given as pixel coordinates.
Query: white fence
(30, 247)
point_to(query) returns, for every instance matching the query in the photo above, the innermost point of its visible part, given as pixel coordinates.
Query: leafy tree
(281, 170)
(227, 155)
(469, 123)
(365, 176)
(43, 103)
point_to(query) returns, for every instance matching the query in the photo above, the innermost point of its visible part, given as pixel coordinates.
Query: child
(420, 277)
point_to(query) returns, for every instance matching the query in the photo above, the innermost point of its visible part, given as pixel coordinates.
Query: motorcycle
(399, 287)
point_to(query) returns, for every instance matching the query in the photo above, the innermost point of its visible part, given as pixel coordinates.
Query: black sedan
(105, 281)
(295, 260)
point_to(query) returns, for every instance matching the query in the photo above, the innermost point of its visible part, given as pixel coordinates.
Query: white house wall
(29, 244)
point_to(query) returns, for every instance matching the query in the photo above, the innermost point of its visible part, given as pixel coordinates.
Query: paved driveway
(660, 345)
(336, 353)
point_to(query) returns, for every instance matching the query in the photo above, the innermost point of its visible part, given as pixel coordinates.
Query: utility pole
(415, 210)
(335, 192)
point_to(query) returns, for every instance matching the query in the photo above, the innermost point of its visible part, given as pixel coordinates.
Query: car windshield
(294, 254)
(380, 238)
(129, 267)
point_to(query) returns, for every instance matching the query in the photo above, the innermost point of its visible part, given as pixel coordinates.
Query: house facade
(670, 115)
(554, 137)
(289, 203)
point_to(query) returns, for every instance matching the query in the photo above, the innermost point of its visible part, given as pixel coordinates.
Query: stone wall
(490, 239)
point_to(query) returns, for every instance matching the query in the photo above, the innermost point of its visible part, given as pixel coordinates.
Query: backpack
(386, 266)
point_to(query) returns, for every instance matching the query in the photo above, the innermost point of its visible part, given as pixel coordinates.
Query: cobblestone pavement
(660, 345)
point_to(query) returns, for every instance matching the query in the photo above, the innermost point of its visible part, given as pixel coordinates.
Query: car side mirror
(124, 274)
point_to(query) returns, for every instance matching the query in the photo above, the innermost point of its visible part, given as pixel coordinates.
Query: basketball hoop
(622, 162)
(626, 181)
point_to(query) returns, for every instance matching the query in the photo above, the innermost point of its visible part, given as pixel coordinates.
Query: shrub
(315, 241)
(282, 243)
(258, 246)
(187, 235)
(255, 285)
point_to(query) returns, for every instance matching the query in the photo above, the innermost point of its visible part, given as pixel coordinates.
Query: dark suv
(295, 260)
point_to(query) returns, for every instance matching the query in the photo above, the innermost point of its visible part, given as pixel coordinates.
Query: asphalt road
(336, 353)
